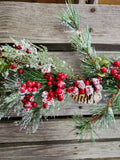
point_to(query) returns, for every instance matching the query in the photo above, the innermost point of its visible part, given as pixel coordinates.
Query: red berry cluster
(28, 102)
(115, 72)
(30, 87)
(60, 86)
(57, 80)
(85, 87)
(20, 48)
(58, 90)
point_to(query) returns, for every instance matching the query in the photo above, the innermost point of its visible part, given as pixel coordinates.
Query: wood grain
(40, 1)
(111, 2)
(53, 132)
(40, 25)
(76, 151)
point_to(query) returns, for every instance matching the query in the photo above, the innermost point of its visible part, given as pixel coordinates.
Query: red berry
(23, 85)
(46, 105)
(49, 83)
(99, 78)
(59, 74)
(56, 95)
(27, 97)
(59, 91)
(57, 78)
(113, 72)
(61, 98)
(15, 46)
(33, 83)
(62, 77)
(27, 51)
(48, 73)
(22, 90)
(119, 86)
(34, 104)
(50, 78)
(76, 84)
(87, 82)
(34, 89)
(82, 91)
(65, 76)
(116, 63)
(46, 76)
(38, 84)
(61, 84)
(27, 108)
(20, 71)
(50, 90)
(29, 84)
(68, 89)
(27, 104)
(19, 47)
(51, 94)
(103, 69)
(29, 89)
(31, 98)
(12, 66)
(117, 77)
(24, 100)
(54, 83)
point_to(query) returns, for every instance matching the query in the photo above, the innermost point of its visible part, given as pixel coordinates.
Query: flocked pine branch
(91, 67)
(70, 17)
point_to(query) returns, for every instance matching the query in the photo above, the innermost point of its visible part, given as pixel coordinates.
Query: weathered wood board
(75, 151)
(40, 25)
(111, 2)
(53, 131)
(43, 1)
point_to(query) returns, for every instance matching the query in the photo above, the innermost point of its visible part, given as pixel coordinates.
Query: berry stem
(99, 116)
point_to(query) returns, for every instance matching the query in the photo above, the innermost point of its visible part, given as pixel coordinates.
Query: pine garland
(32, 82)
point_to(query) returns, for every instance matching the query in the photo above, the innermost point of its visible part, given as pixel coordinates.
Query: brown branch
(95, 118)
(91, 58)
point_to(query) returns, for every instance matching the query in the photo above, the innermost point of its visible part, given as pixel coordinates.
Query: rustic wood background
(55, 139)
(111, 2)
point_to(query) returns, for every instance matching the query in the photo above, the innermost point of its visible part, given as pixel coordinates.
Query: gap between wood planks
(66, 47)
(57, 142)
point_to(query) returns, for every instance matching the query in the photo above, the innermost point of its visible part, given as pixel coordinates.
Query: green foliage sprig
(91, 66)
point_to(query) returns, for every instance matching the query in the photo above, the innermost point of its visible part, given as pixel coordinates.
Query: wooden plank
(111, 2)
(41, 1)
(82, 1)
(47, 29)
(76, 151)
(53, 132)
(52, 1)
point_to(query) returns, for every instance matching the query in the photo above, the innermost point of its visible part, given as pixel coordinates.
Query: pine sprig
(70, 17)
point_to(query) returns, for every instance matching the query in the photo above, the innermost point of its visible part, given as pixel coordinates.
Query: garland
(33, 84)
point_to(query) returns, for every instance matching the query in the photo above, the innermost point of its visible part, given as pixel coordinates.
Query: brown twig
(99, 116)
